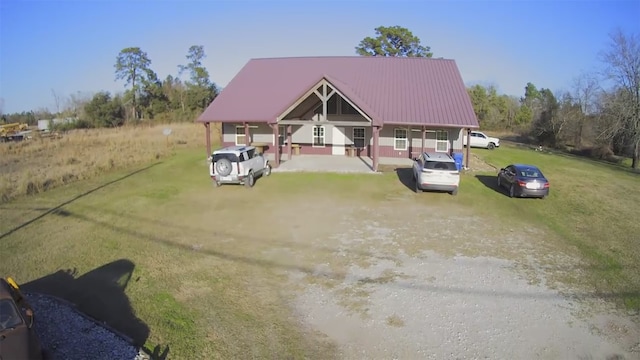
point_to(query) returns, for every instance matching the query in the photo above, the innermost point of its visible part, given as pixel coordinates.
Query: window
(400, 139)
(318, 136)
(250, 154)
(442, 141)
(440, 165)
(230, 157)
(282, 135)
(358, 138)
(240, 136)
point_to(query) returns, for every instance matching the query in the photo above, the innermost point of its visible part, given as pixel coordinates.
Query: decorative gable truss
(317, 101)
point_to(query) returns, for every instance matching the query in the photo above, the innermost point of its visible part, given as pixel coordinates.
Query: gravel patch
(66, 334)
(434, 307)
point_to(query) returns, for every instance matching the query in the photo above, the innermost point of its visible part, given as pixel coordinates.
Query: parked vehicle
(481, 140)
(436, 171)
(522, 180)
(18, 339)
(14, 132)
(238, 165)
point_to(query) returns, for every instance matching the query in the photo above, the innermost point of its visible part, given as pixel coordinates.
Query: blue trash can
(457, 157)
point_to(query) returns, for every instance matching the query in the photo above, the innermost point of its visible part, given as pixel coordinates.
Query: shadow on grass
(491, 182)
(51, 210)
(405, 176)
(100, 293)
(311, 270)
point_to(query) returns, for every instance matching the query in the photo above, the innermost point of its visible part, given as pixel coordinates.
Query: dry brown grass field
(42, 163)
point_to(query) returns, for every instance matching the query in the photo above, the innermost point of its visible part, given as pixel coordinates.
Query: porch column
(207, 136)
(376, 146)
(466, 158)
(424, 136)
(276, 143)
(289, 141)
(247, 141)
(410, 141)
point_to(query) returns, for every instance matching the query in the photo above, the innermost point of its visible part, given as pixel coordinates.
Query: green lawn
(173, 262)
(592, 207)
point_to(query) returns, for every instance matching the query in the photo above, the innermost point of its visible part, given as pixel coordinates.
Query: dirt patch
(384, 282)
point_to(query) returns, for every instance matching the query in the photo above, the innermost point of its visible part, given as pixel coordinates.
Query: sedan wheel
(512, 191)
(267, 170)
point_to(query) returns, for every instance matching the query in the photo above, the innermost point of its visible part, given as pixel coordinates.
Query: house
(378, 106)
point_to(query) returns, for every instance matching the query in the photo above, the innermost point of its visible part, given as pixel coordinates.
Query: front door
(338, 140)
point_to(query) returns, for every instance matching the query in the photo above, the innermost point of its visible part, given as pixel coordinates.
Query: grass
(32, 166)
(592, 208)
(192, 270)
(205, 303)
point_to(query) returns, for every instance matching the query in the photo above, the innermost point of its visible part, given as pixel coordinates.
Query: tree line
(146, 97)
(598, 116)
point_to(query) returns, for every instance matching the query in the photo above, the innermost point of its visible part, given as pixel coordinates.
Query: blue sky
(71, 46)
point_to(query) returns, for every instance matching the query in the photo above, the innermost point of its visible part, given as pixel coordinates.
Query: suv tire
(223, 166)
(491, 146)
(250, 180)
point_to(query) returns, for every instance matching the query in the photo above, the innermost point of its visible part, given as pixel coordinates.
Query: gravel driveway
(438, 287)
(406, 279)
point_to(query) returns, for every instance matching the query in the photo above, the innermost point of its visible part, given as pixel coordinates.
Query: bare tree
(585, 92)
(75, 104)
(56, 99)
(622, 60)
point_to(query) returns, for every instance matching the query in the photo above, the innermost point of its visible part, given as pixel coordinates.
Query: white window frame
(364, 136)
(242, 134)
(313, 136)
(396, 139)
(282, 132)
(441, 141)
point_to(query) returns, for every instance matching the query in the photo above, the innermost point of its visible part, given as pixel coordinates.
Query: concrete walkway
(332, 163)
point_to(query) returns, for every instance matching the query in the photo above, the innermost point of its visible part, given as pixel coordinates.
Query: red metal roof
(391, 90)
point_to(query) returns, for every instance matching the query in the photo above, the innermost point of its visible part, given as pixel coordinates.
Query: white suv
(436, 171)
(238, 165)
(482, 140)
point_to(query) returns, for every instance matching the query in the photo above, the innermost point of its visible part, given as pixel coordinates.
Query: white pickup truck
(481, 140)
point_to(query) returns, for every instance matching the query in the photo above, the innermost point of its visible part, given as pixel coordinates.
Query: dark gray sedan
(523, 180)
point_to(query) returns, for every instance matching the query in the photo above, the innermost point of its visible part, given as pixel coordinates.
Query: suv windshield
(440, 165)
(9, 317)
(231, 157)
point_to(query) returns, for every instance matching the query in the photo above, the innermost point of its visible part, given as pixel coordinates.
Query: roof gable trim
(326, 81)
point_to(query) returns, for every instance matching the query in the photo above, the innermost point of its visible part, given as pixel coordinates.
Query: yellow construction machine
(13, 131)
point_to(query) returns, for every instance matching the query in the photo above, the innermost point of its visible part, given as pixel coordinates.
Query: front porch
(334, 164)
